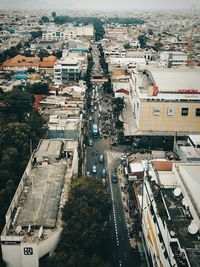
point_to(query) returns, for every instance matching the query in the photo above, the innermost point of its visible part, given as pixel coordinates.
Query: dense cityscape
(99, 137)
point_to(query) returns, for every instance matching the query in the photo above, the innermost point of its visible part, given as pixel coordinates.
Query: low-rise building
(23, 63)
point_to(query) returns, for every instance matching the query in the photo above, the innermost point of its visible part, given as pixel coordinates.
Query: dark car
(114, 178)
(103, 175)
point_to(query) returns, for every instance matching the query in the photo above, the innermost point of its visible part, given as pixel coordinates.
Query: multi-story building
(33, 220)
(67, 69)
(70, 32)
(170, 213)
(167, 101)
(174, 59)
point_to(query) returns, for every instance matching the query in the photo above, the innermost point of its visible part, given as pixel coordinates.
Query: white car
(94, 169)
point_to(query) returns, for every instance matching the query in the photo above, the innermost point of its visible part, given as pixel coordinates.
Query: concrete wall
(27, 254)
(148, 121)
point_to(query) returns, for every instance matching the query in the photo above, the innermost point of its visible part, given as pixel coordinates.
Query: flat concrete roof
(49, 147)
(191, 179)
(195, 139)
(175, 79)
(190, 152)
(167, 179)
(136, 167)
(42, 201)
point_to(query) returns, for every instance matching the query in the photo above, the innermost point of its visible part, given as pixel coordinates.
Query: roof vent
(177, 191)
(193, 228)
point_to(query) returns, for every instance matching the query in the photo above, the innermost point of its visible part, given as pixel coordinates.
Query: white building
(67, 69)
(171, 213)
(70, 32)
(174, 59)
(33, 220)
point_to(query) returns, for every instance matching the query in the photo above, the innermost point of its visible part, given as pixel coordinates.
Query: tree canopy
(86, 229)
(21, 128)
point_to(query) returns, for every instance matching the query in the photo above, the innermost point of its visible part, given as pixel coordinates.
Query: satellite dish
(18, 229)
(177, 191)
(40, 232)
(193, 228)
(185, 202)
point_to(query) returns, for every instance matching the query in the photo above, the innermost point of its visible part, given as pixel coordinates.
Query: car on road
(94, 169)
(90, 118)
(103, 175)
(101, 159)
(114, 178)
(90, 142)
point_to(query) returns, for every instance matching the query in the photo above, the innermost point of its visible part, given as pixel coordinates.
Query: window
(156, 111)
(198, 112)
(184, 111)
(170, 111)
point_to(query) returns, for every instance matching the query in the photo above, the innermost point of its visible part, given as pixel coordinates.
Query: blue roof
(20, 76)
(78, 50)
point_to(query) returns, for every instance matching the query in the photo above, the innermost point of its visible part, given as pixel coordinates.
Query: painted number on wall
(28, 251)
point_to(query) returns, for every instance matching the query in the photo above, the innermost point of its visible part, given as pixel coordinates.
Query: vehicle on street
(90, 142)
(94, 169)
(90, 118)
(114, 178)
(95, 130)
(101, 159)
(103, 175)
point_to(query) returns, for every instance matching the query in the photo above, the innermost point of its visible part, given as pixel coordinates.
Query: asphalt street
(122, 253)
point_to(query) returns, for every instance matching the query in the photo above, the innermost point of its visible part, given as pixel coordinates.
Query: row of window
(171, 111)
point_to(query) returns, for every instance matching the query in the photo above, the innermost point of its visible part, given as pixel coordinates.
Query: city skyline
(102, 5)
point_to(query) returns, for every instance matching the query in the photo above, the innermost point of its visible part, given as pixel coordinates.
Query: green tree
(119, 124)
(86, 231)
(44, 19)
(36, 34)
(142, 40)
(43, 53)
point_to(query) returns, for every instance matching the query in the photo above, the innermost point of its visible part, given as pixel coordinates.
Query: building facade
(167, 100)
(170, 213)
(68, 69)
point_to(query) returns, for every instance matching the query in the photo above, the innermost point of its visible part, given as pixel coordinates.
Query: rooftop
(42, 192)
(176, 79)
(30, 61)
(179, 189)
(43, 197)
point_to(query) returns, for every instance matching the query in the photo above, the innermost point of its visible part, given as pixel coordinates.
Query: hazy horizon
(99, 5)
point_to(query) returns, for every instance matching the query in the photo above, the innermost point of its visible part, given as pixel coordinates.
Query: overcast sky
(100, 4)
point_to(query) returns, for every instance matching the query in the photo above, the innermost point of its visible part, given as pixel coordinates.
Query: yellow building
(167, 100)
